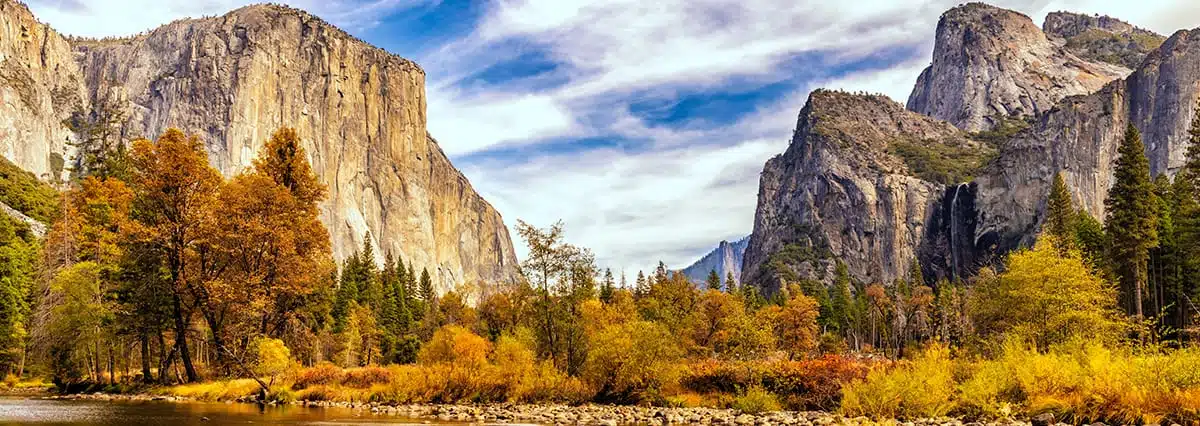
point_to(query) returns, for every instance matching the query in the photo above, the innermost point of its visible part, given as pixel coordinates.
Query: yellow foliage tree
(456, 346)
(633, 361)
(796, 326)
(1046, 296)
(272, 358)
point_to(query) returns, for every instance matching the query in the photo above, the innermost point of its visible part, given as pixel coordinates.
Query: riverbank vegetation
(159, 275)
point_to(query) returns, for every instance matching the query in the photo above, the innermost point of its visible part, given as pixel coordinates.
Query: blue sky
(643, 125)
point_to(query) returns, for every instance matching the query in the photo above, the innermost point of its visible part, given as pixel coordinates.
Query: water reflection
(62, 412)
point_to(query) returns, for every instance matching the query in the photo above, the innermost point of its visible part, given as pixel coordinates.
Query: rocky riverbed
(614, 415)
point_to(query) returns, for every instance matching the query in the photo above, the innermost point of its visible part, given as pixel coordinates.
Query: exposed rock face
(1080, 138)
(360, 111)
(991, 63)
(839, 194)
(725, 259)
(1102, 38)
(40, 86)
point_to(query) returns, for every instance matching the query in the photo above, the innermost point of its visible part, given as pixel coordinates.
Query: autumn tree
(267, 251)
(796, 326)
(1045, 297)
(1132, 220)
(175, 190)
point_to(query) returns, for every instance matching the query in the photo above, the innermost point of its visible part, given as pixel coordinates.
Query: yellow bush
(756, 400)
(272, 358)
(1080, 382)
(453, 344)
(216, 391)
(923, 387)
(633, 362)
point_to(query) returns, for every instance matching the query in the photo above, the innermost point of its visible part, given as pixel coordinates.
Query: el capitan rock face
(40, 86)
(360, 111)
(991, 63)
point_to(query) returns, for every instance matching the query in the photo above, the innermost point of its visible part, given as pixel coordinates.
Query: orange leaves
(796, 326)
(282, 159)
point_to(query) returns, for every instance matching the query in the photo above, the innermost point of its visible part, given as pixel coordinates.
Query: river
(22, 410)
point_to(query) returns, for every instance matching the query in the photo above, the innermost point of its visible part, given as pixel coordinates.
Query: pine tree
(347, 292)
(1132, 219)
(1165, 272)
(640, 286)
(1186, 190)
(1089, 234)
(714, 280)
(607, 286)
(660, 273)
(1060, 215)
(427, 293)
(370, 291)
(731, 284)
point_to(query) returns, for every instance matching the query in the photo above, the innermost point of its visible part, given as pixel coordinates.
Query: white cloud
(490, 120)
(634, 209)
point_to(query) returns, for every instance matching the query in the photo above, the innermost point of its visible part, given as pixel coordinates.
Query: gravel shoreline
(598, 415)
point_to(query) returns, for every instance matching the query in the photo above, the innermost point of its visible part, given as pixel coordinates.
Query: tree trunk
(181, 340)
(144, 341)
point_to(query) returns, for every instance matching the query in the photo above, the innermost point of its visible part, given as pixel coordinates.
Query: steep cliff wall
(360, 111)
(842, 192)
(1079, 137)
(40, 86)
(990, 63)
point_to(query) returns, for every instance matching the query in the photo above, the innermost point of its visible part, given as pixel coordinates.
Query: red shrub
(813, 384)
(364, 377)
(320, 374)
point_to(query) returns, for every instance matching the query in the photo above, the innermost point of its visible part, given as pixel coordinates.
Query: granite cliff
(990, 64)
(857, 185)
(1055, 106)
(234, 79)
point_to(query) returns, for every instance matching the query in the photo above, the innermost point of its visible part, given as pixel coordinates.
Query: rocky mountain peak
(991, 64)
(856, 185)
(1102, 38)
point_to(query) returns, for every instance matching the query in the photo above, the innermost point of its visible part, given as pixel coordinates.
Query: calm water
(16, 410)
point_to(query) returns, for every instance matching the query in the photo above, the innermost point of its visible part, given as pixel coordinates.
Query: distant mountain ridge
(725, 258)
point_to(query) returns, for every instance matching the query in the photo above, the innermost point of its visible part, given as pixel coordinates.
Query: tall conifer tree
(1132, 218)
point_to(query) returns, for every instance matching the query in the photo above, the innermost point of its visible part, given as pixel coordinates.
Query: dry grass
(1078, 382)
